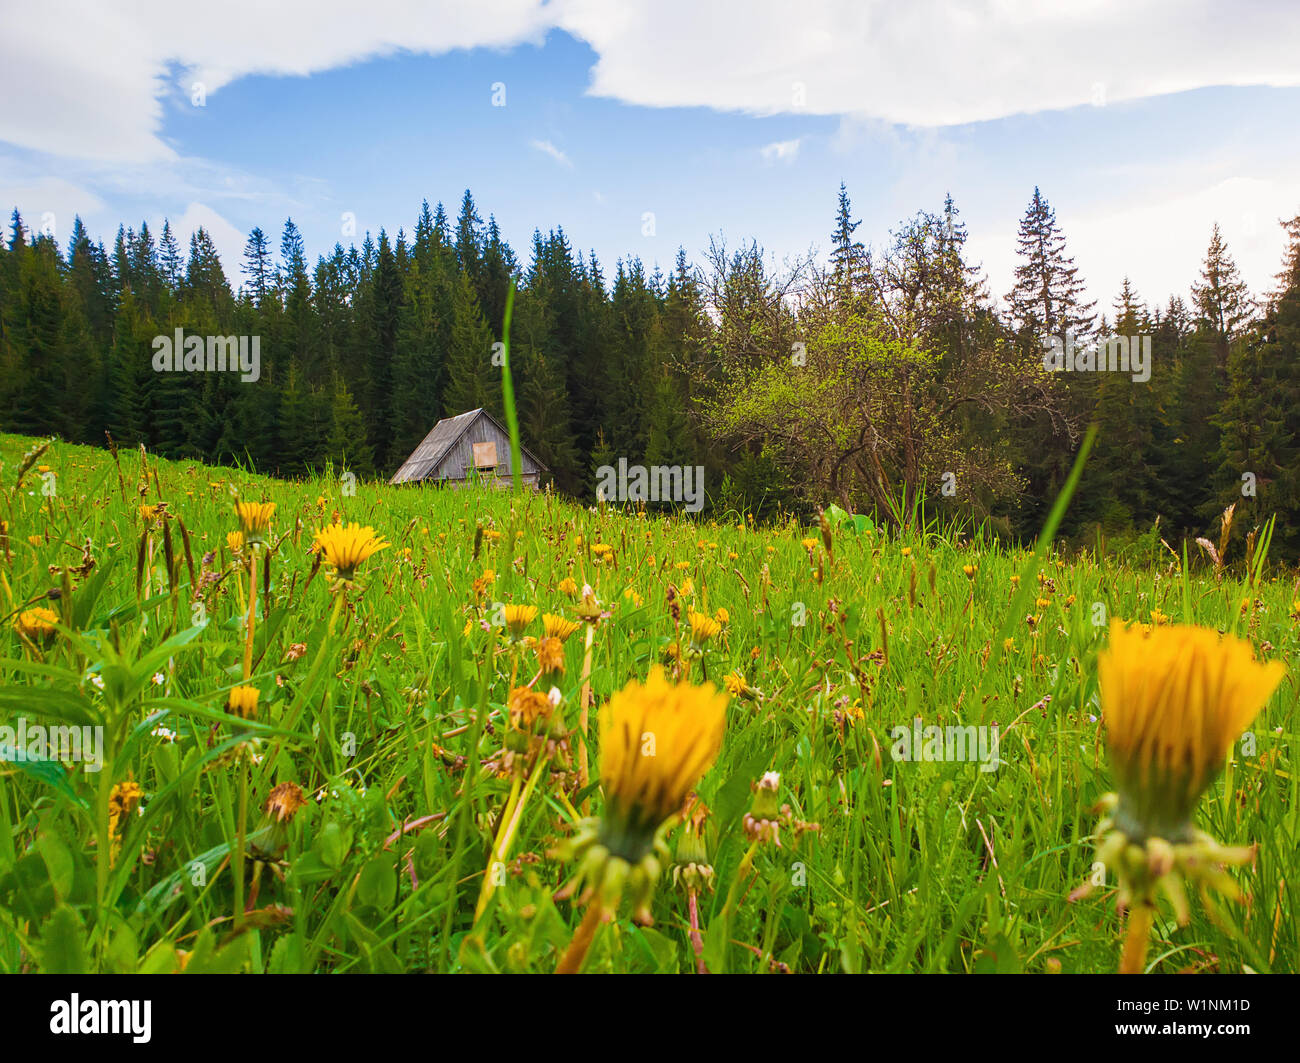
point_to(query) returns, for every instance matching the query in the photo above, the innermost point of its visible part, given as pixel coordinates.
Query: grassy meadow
(423, 831)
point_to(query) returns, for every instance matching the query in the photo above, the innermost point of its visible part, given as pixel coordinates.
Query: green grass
(371, 700)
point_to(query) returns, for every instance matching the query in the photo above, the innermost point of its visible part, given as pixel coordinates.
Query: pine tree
(257, 266)
(1222, 301)
(1047, 299)
(346, 446)
(472, 379)
(847, 254)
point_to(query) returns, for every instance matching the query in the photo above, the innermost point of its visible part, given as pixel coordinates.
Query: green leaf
(377, 886)
(63, 943)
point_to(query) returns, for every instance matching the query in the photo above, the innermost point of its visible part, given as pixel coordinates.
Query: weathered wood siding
(458, 462)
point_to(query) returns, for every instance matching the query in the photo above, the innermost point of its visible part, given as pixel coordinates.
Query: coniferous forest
(884, 377)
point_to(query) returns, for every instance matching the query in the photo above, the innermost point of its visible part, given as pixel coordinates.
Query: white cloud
(928, 62)
(228, 240)
(92, 80)
(1159, 241)
(781, 151)
(48, 203)
(547, 148)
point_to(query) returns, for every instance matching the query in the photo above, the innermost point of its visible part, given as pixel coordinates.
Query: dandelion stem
(571, 962)
(1137, 939)
(241, 829)
(697, 939)
(252, 610)
(585, 701)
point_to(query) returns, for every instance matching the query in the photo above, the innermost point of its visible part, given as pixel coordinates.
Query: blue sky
(607, 117)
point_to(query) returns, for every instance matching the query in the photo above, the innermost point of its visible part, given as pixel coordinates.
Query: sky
(643, 126)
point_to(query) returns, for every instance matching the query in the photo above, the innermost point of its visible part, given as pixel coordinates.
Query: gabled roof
(434, 447)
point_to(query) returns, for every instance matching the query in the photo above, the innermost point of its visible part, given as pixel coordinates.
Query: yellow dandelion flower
(568, 587)
(703, 628)
(254, 519)
(1174, 698)
(123, 800)
(735, 683)
(148, 513)
(345, 548)
(808, 544)
(517, 618)
(1174, 702)
(722, 616)
(970, 570)
(526, 706)
(235, 541)
(550, 656)
(557, 627)
(242, 702)
(657, 739)
(37, 624)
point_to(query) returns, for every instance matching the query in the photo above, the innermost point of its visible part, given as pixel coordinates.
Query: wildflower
(738, 686)
(526, 706)
(284, 801)
(762, 822)
(557, 627)
(242, 702)
(703, 628)
(345, 548)
(722, 616)
(692, 868)
(254, 519)
(808, 544)
(235, 541)
(37, 624)
(1174, 702)
(657, 739)
(907, 551)
(568, 587)
(272, 835)
(550, 656)
(123, 800)
(148, 513)
(970, 570)
(517, 618)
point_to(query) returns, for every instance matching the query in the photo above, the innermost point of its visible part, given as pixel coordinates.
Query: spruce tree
(1047, 299)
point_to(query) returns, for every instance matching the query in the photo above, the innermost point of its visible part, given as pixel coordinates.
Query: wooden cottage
(461, 449)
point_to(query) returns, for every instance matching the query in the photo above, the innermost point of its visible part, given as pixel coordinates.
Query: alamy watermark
(1114, 354)
(657, 483)
(211, 354)
(951, 743)
(37, 742)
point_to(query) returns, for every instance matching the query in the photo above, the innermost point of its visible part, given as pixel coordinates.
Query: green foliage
(386, 704)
